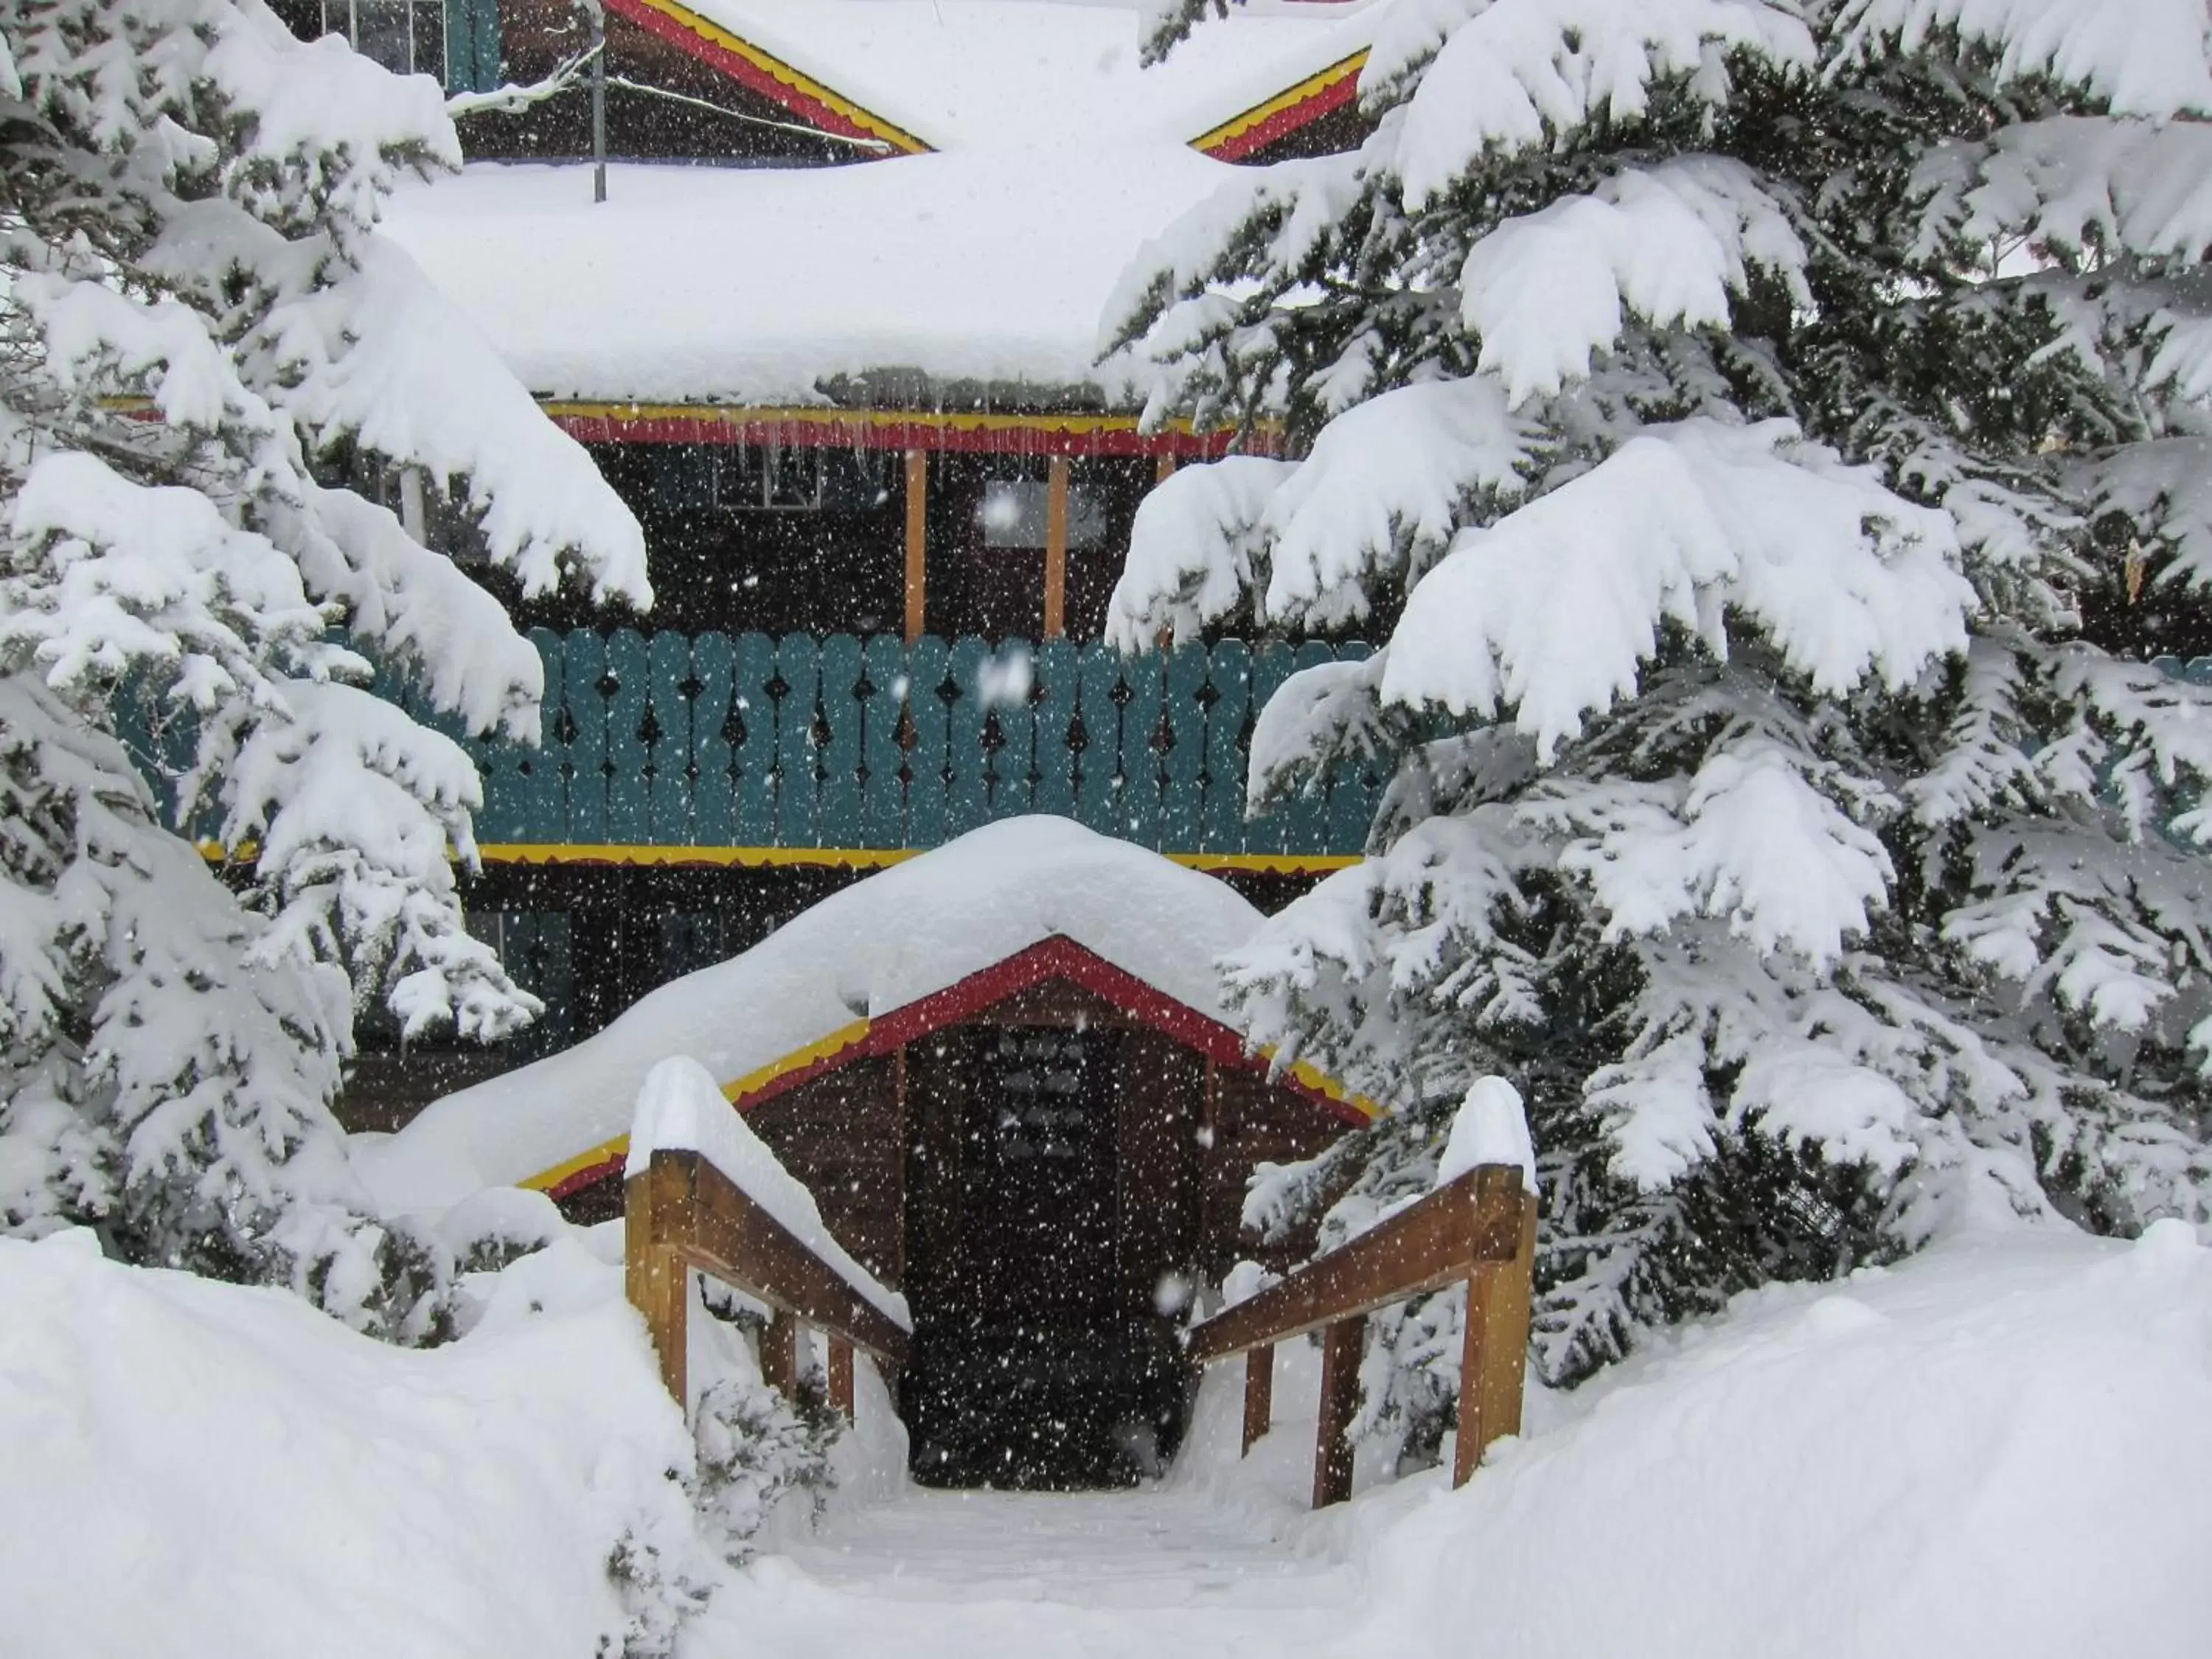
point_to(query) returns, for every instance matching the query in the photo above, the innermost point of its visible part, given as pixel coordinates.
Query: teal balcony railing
(742, 741)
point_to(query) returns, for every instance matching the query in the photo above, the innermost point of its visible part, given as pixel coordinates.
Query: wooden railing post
(1494, 1351)
(1479, 1230)
(1259, 1391)
(917, 543)
(840, 1375)
(656, 1215)
(1342, 1345)
(779, 1352)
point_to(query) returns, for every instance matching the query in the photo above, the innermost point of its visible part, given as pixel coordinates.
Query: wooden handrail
(682, 1212)
(1481, 1227)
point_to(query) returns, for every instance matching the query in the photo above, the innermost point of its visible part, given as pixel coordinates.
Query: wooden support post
(657, 1212)
(779, 1352)
(917, 543)
(1494, 1354)
(1164, 469)
(1258, 1393)
(1342, 1344)
(1055, 550)
(840, 1375)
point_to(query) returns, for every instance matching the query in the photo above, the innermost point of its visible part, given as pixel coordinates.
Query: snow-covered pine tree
(1721, 413)
(195, 313)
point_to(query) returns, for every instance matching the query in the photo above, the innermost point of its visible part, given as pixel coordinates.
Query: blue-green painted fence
(746, 741)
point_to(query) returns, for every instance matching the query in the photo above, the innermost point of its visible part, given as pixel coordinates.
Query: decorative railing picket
(720, 740)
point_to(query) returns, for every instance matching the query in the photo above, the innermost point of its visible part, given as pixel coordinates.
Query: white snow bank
(195, 1469)
(1994, 1452)
(1489, 1128)
(992, 73)
(755, 286)
(879, 945)
(681, 1109)
(1998, 1450)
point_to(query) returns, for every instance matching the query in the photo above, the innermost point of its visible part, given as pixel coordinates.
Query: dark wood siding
(841, 1134)
(538, 36)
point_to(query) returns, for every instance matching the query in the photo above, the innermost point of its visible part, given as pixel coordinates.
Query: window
(406, 36)
(754, 479)
(1014, 515)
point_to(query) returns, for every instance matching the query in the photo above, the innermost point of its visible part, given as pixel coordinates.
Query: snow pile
(1990, 1451)
(1489, 1127)
(1993, 1452)
(195, 1469)
(989, 267)
(681, 1109)
(885, 942)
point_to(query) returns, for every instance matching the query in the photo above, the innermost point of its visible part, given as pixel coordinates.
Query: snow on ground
(1999, 1449)
(994, 74)
(754, 286)
(193, 1470)
(876, 946)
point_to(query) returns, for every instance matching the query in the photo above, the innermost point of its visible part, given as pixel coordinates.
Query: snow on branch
(100, 575)
(354, 806)
(1386, 486)
(1520, 75)
(1669, 243)
(2164, 489)
(2152, 58)
(1551, 611)
(2075, 183)
(1749, 841)
(385, 358)
(1190, 550)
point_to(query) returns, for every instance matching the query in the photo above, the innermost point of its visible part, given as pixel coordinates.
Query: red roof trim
(1044, 435)
(756, 76)
(1057, 957)
(1284, 122)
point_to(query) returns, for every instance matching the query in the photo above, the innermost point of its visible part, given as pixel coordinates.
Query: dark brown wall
(538, 36)
(841, 1135)
(890, 1183)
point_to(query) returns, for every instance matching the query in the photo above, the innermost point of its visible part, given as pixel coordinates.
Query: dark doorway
(1027, 1371)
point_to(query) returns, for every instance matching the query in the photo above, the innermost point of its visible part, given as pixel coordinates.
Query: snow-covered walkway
(970, 1575)
(1150, 1548)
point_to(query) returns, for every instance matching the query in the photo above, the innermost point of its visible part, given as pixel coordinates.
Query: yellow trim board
(604, 1152)
(857, 857)
(774, 67)
(1238, 125)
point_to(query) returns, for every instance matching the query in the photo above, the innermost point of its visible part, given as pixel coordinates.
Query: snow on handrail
(1479, 1227)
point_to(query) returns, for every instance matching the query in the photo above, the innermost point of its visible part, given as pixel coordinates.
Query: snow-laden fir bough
(195, 318)
(1723, 414)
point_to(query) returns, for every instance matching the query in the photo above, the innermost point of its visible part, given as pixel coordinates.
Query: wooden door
(1039, 1158)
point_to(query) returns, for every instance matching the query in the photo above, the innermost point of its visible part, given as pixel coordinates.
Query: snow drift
(198, 1470)
(1992, 1450)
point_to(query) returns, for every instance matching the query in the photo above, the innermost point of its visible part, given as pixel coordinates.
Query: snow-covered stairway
(938, 1575)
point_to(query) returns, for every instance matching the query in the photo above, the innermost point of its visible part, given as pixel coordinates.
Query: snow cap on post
(682, 1109)
(1489, 1127)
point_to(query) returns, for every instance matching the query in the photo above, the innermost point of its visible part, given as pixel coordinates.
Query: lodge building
(832, 335)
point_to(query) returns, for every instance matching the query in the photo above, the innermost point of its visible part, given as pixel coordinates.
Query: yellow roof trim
(844, 1037)
(1238, 125)
(805, 85)
(605, 1151)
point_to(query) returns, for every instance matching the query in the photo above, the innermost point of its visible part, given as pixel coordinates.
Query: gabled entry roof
(920, 947)
(947, 75)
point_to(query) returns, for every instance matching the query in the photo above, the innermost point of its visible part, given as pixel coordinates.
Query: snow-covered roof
(982, 271)
(814, 988)
(968, 75)
(756, 286)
